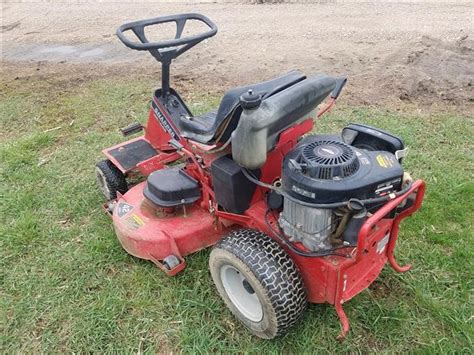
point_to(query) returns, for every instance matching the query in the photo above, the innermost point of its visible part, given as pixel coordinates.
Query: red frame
(329, 279)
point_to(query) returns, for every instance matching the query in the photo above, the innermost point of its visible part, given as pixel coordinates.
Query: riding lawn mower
(292, 218)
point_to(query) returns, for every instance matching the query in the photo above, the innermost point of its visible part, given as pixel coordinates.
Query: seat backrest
(258, 129)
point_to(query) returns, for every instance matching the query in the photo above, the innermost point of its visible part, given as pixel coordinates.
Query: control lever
(175, 144)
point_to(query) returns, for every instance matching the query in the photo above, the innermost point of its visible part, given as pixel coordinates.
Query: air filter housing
(329, 159)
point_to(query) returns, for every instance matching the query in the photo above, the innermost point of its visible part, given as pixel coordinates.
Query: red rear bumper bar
(417, 187)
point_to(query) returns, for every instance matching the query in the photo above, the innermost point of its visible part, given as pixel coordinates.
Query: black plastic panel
(175, 106)
(233, 190)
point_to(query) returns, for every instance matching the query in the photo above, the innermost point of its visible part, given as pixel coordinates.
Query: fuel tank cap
(250, 100)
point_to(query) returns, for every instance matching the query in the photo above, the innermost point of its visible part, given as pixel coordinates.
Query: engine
(325, 170)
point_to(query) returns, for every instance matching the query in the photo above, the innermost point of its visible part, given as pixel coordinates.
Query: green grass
(67, 285)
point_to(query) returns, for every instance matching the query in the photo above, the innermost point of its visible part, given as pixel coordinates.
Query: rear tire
(110, 179)
(258, 281)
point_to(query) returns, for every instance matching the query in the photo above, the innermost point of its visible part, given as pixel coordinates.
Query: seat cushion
(202, 124)
(204, 128)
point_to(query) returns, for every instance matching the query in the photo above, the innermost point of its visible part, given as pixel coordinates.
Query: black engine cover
(322, 169)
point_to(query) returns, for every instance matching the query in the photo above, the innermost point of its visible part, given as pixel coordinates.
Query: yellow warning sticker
(134, 222)
(384, 161)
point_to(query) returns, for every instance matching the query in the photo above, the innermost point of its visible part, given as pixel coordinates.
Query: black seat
(217, 125)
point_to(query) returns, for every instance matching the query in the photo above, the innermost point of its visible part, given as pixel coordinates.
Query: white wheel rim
(102, 182)
(241, 293)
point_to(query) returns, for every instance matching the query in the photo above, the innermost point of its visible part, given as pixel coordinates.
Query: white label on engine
(303, 192)
(382, 243)
(382, 189)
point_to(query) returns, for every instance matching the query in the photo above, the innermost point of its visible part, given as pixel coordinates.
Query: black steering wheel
(165, 51)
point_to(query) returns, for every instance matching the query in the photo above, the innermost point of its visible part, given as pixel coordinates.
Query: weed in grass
(68, 286)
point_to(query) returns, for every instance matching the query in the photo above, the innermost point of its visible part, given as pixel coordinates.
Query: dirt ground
(420, 52)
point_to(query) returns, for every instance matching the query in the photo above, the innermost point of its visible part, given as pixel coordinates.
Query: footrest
(132, 153)
(171, 187)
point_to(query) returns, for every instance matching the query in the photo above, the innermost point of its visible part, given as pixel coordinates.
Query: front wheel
(258, 281)
(110, 179)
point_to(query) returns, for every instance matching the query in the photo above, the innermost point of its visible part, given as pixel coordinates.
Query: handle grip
(340, 83)
(131, 129)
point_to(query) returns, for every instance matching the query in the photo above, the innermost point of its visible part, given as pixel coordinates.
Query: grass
(67, 285)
